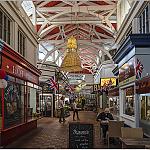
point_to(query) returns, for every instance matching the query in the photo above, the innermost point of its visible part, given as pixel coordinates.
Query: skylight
(28, 7)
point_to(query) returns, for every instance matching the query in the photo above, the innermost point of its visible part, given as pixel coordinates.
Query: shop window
(21, 42)
(114, 105)
(38, 99)
(14, 104)
(145, 107)
(46, 104)
(5, 27)
(31, 104)
(128, 101)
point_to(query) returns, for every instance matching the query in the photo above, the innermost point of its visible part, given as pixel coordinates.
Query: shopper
(104, 117)
(75, 111)
(61, 107)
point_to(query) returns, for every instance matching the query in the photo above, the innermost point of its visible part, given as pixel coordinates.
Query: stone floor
(50, 134)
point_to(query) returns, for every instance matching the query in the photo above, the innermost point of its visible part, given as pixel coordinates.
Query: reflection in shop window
(14, 104)
(129, 101)
(145, 107)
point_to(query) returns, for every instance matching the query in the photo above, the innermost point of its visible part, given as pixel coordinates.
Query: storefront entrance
(46, 105)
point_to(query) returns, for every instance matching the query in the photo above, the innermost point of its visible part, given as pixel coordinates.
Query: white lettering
(18, 71)
(80, 132)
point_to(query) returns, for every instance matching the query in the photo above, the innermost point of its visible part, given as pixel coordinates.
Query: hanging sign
(108, 81)
(74, 78)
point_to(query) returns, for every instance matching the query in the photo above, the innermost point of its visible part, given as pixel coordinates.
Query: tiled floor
(51, 134)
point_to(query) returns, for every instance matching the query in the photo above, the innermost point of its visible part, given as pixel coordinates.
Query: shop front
(132, 56)
(47, 103)
(143, 91)
(19, 99)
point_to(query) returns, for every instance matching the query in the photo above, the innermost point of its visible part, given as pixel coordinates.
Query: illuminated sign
(108, 81)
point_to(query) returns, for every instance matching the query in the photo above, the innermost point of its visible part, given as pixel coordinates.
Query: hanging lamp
(71, 61)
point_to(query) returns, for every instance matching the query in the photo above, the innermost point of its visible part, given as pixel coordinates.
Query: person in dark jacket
(104, 117)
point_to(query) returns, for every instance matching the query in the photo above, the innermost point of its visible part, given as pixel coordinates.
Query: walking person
(61, 107)
(75, 111)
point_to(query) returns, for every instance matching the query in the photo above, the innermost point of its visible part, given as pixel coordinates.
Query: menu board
(80, 135)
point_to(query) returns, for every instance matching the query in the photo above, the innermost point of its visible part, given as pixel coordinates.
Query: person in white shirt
(75, 110)
(61, 107)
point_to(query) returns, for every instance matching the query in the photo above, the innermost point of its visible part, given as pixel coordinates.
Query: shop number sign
(80, 136)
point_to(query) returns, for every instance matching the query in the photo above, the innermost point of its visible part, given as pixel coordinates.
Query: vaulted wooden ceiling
(93, 23)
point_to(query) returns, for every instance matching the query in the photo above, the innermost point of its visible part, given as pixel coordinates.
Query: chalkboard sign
(80, 135)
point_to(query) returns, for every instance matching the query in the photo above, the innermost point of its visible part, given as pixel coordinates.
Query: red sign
(16, 70)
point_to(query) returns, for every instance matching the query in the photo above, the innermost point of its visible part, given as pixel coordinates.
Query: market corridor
(53, 135)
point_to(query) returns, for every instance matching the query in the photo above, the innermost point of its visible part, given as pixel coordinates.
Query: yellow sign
(108, 81)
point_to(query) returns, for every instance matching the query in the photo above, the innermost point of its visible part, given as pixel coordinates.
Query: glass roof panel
(28, 7)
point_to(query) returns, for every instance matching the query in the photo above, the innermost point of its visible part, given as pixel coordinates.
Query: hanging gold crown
(71, 61)
(72, 43)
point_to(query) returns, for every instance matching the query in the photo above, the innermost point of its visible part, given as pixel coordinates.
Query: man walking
(61, 107)
(75, 110)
